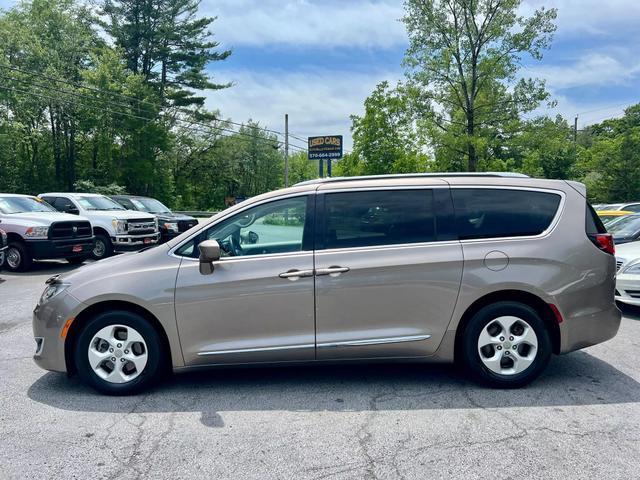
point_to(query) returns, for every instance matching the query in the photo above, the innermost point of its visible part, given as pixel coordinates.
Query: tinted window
(275, 227)
(62, 204)
(594, 223)
(383, 217)
(634, 207)
(490, 213)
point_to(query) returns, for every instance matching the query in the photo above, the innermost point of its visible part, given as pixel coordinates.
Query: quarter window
(491, 213)
(381, 217)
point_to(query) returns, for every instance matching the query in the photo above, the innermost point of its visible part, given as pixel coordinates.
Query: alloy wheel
(99, 249)
(508, 345)
(13, 258)
(118, 354)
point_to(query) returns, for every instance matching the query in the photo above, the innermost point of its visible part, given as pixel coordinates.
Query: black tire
(154, 369)
(100, 253)
(19, 251)
(470, 356)
(76, 260)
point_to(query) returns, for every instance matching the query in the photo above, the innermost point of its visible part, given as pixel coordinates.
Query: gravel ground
(580, 420)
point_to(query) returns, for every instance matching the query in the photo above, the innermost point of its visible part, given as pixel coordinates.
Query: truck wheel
(102, 247)
(76, 260)
(17, 257)
(505, 345)
(119, 353)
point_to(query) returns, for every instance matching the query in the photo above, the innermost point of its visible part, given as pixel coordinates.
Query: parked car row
(78, 226)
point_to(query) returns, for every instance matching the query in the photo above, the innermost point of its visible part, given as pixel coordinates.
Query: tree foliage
(463, 57)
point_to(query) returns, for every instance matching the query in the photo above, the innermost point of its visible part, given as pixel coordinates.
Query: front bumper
(63, 248)
(129, 243)
(48, 321)
(628, 289)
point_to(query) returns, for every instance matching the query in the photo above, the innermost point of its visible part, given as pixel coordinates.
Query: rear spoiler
(579, 187)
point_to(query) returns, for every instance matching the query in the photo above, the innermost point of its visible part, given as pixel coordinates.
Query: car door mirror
(209, 253)
(72, 211)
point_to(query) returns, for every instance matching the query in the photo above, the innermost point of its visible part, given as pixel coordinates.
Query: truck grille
(184, 225)
(141, 227)
(62, 230)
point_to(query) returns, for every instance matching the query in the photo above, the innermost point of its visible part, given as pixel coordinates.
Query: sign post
(325, 148)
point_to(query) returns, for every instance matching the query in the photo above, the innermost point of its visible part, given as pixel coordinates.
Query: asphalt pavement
(581, 419)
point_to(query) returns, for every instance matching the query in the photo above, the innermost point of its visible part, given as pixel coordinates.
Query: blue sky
(319, 59)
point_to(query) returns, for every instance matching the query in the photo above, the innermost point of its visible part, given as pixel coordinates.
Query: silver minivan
(495, 272)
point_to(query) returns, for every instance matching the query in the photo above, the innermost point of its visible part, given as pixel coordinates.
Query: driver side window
(274, 227)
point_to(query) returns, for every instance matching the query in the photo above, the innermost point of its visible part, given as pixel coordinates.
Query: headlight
(171, 226)
(633, 268)
(120, 226)
(51, 291)
(37, 232)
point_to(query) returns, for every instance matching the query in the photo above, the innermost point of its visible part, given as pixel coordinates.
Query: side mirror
(209, 253)
(73, 211)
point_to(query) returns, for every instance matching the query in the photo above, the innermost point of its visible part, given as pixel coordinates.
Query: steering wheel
(235, 246)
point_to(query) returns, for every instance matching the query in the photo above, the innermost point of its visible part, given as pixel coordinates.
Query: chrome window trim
(255, 350)
(391, 246)
(546, 232)
(375, 341)
(172, 253)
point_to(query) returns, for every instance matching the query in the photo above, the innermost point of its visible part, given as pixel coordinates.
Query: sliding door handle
(296, 274)
(333, 271)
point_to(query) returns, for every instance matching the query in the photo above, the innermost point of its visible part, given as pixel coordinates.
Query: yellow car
(608, 216)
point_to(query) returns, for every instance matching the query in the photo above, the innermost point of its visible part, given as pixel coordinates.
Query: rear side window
(382, 217)
(593, 224)
(495, 213)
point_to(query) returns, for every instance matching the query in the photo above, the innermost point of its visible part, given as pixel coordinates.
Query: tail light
(604, 241)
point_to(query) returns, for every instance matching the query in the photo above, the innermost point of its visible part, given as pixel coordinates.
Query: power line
(97, 90)
(209, 128)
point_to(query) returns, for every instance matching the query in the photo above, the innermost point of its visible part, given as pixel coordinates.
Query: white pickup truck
(35, 231)
(115, 229)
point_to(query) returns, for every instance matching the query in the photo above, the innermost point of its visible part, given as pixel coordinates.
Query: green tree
(166, 43)
(385, 139)
(464, 56)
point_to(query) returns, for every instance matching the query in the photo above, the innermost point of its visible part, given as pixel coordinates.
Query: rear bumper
(130, 243)
(44, 249)
(589, 328)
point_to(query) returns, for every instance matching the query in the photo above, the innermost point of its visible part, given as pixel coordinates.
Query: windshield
(626, 226)
(150, 205)
(98, 203)
(9, 205)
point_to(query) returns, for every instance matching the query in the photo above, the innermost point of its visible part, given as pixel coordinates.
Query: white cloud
(317, 104)
(595, 17)
(360, 23)
(591, 69)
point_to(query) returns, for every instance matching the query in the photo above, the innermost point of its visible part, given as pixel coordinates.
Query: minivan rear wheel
(506, 345)
(119, 353)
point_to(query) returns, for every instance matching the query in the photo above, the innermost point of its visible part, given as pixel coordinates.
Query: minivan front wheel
(506, 345)
(119, 353)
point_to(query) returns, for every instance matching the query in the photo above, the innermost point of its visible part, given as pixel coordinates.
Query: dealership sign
(325, 148)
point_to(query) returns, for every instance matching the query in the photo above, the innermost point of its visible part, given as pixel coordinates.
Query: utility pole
(286, 150)
(575, 130)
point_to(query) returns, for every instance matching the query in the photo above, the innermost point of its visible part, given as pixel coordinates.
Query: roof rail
(413, 175)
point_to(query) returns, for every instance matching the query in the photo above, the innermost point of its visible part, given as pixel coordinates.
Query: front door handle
(333, 271)
(296, 274)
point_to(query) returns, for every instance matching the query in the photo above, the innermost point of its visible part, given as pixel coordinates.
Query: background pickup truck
(171, 224)
(35, 231)
(115, 228)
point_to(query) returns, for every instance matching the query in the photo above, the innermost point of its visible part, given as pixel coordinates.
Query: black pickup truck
(171, 224)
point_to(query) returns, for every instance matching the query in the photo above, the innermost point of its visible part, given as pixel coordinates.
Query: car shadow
(574, 379)
(43, 267)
